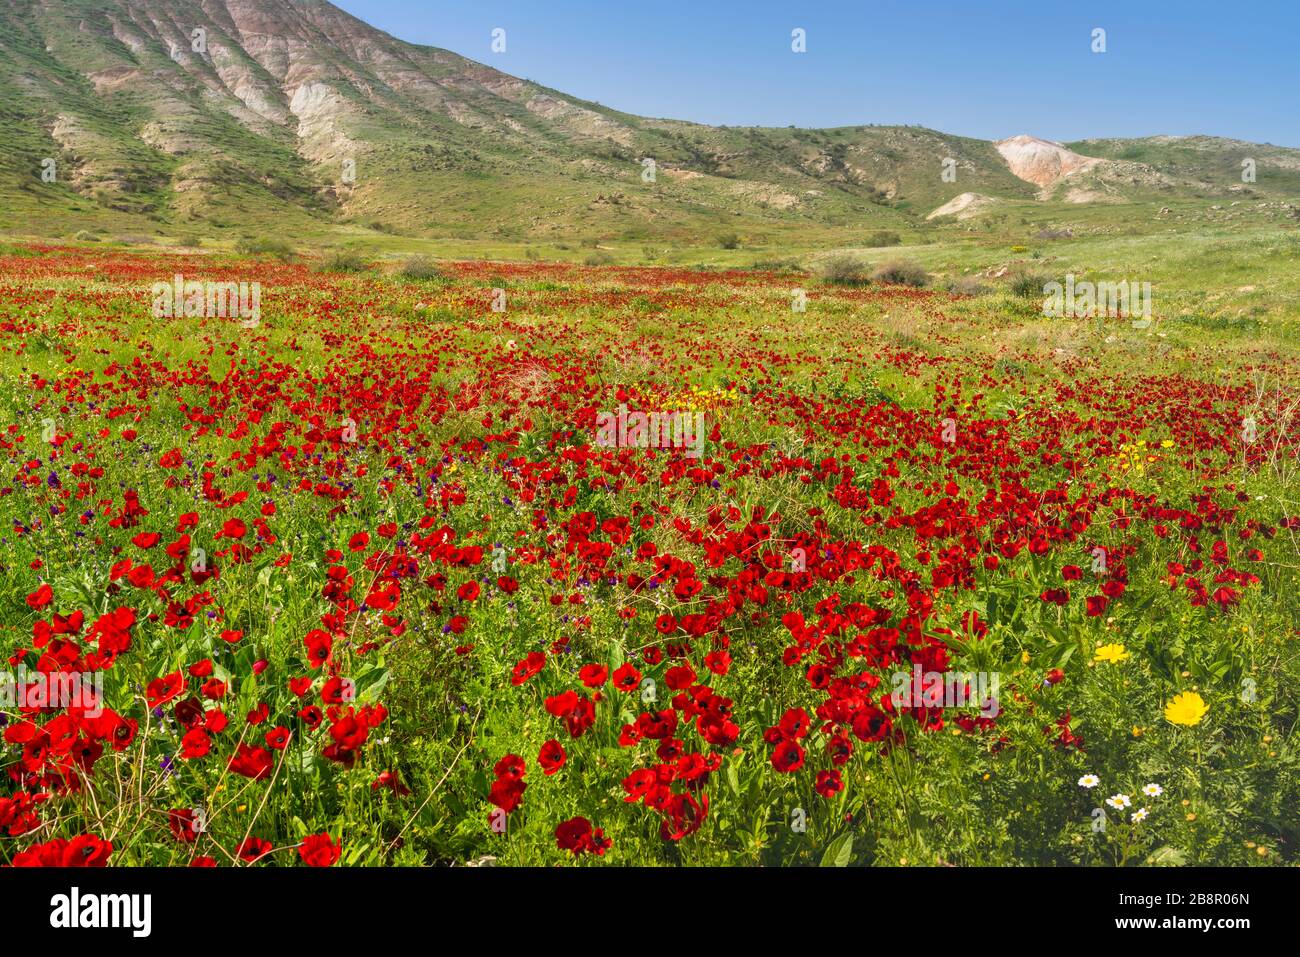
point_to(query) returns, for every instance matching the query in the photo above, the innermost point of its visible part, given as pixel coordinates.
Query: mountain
(294, 114)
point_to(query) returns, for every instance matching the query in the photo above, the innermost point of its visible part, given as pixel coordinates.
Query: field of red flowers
(358, 581)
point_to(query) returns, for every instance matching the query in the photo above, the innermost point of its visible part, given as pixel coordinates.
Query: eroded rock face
(308, 68)
(1041, 162)
(964, 206)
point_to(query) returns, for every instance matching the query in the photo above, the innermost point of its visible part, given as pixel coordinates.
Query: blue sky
(984, 68)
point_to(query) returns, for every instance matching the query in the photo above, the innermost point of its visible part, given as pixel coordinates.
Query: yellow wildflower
(1112, 653)
(1187, 708)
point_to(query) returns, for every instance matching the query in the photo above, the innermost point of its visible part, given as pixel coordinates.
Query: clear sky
(984, 68)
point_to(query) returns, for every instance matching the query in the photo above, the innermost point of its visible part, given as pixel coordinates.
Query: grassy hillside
(259, 131)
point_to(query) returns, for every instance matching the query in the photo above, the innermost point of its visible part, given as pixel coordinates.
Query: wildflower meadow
(527, 563)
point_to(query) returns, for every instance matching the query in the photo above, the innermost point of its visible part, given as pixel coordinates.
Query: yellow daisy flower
(1112, 653)
(1187, 708)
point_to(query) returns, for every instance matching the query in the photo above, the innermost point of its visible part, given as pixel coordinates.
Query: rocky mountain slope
(245, 113)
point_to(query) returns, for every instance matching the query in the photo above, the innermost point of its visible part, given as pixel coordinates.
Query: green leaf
(839, 852)
(1064, 654)
(1166, 857)
(370, 684)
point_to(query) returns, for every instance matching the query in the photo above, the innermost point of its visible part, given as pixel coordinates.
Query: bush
(420, 269)
(884, 237)
(598, 259)
(264, 246)
(843, 270)
(965, 286)
(902, 272)
(344, 260)
(1028, 283)
(85, 236)
(729, 241)
(776, 265)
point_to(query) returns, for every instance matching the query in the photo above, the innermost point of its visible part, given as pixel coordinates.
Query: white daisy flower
(1153, 790)
(1089, 781)
(1119, 801)
(1140, 815)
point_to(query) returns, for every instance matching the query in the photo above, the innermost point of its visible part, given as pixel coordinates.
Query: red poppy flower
(390, 780)
(164, 689)
(507, 793)
(829, 783)
(639, 783)
(561, 704)
(87, 850)
(251, 762)
(528, 667)
(551, 757)
(511, 767)
(627, 678)
(183, 825)
(788, 757)
(319, 850)
(253, 849)
(195, 744)
(795, 723)
(593, 675)
(577, 836)
(41, 597)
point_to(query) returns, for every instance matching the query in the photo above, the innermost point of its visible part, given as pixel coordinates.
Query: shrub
(344, 260)
(965, 286)
(884, 237)
(902, 272)
(843, 270)
(1028, 283)
(777, 265)
(729, 241)
(420, 268)
(264, 246)
(598, 259)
